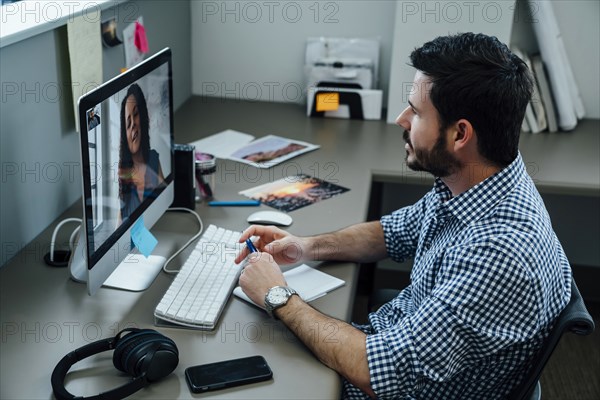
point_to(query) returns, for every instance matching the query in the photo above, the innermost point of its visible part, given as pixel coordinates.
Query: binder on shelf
(534, 113)
(569, 106)
(545, 92)
(525, 125)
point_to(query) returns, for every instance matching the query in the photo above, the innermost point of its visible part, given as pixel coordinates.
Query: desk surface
(561, 162)
(44, 315)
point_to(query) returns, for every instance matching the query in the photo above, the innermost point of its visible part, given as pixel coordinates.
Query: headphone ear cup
(161, 360)
(146, 351)
(125, 345)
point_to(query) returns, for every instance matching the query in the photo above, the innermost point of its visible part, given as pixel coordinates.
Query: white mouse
(270, 218)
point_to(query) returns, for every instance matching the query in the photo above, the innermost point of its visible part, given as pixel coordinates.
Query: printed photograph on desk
(271, 150)
(294, 192)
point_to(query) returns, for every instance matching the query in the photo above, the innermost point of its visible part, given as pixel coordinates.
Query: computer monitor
(126, 128)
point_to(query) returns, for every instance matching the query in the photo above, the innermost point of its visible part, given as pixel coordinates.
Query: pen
(251, 246)
(204, 187)
(238, 203)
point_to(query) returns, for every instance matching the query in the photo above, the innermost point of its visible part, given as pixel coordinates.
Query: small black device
(185, 193)
(225, 374)
(144, 354)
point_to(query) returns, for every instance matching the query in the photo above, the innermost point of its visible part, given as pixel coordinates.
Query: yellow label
(328, 101)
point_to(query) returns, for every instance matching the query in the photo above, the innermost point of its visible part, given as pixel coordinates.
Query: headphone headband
(134, 354)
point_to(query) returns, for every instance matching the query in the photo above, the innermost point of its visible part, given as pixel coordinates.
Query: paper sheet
(85, 55)
(133, 55)
(223, 144)
(310, 284)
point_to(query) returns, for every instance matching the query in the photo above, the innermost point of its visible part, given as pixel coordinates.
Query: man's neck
(469, 175)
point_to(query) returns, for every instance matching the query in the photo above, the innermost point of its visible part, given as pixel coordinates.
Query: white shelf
(27, 18)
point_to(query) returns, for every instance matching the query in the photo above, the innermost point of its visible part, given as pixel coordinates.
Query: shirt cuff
(387, 223)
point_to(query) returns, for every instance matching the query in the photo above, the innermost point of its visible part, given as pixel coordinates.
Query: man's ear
(463, 134)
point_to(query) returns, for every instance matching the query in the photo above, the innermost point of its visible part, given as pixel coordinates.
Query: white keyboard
(200, 290)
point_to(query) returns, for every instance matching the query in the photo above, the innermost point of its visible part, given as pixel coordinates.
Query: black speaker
(185, 194)
(144, 354)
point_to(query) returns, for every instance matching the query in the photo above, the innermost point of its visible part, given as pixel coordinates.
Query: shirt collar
(477, 201)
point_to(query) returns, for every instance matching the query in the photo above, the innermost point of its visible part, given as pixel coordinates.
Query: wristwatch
(276, 297)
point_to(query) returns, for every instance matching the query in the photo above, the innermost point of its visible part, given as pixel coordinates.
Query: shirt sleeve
(482, 303)
(416, 348)
(401, 229)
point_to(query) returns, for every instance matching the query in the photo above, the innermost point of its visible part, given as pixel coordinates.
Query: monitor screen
(127, 159)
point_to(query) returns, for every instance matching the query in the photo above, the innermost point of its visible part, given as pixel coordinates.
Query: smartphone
(225, 374)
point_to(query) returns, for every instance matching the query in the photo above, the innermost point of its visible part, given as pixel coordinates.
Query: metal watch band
(289, 292)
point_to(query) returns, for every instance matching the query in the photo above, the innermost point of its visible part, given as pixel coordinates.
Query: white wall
(419, 22)
(255, 50)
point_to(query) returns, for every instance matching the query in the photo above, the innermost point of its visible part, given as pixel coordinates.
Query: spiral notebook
(310, 284)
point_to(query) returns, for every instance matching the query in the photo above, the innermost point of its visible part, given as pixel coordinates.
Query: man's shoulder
(518, 224)
(522, 206)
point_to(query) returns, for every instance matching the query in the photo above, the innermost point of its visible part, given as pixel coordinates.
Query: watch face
(277, 295)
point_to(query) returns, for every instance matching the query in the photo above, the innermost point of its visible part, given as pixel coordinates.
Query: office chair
(574, 318)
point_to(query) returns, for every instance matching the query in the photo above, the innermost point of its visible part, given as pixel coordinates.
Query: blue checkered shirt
(488, 280)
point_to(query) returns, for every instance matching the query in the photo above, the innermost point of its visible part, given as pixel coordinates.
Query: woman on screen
(140, 172)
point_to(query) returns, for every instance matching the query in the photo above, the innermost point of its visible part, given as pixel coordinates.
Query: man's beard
(438, 161)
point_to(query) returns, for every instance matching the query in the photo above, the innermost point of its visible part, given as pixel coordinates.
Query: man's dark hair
(476, 77)
(125, 159)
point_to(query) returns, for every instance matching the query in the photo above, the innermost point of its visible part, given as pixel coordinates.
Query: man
(489, 274)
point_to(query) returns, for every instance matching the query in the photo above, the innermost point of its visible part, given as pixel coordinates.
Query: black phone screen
(224, 374)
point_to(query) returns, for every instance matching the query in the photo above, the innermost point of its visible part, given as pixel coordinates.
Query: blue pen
(251, 246)
(238, 203)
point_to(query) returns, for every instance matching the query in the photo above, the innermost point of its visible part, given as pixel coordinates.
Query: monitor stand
(135, 273)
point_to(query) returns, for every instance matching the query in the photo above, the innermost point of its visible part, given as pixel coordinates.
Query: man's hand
(259, 275)
(363, 243)
(346, 354)
(283, 246)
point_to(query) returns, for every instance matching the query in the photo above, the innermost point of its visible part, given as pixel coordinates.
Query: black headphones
(144, 354)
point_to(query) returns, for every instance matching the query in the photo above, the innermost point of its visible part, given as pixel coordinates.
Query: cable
(196, 236)
(72, 238)
(49, 258)
(64, 221)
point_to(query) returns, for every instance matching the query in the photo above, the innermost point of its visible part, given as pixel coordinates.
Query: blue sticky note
(142, 238)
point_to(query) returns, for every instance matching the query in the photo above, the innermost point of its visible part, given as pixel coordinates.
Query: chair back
(574, 318)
